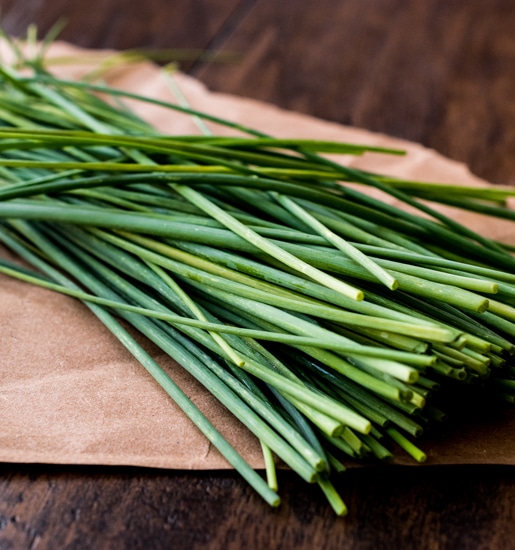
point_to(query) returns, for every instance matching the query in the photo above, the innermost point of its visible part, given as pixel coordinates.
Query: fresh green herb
(329, 322)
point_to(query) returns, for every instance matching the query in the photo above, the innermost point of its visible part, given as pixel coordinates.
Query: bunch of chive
(322, 318)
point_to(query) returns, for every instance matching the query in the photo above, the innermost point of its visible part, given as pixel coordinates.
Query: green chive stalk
(336, 327)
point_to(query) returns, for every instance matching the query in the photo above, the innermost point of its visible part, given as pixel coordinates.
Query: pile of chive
(325, 320)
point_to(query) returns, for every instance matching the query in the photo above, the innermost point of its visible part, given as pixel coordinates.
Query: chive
(175, 393)
(380, 451)
(320, 316)
(411, 449)
(267, 246)
(333, 497)
(271, 474)
(338, 242)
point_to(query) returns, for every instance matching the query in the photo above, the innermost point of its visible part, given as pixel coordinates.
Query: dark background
(441, 73)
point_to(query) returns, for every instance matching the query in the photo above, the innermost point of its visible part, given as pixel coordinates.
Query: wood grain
(47, 507)
(433, 71)
(122, 24)
(436, 72)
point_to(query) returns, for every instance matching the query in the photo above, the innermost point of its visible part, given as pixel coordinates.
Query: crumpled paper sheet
(71, 394)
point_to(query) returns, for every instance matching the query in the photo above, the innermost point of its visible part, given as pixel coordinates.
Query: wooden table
(438, 72)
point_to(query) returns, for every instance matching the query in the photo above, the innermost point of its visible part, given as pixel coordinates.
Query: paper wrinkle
(71, 394)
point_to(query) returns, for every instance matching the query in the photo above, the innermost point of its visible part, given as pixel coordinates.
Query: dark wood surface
(438, 72)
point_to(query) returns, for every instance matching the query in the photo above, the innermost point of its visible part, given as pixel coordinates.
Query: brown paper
(71, 394)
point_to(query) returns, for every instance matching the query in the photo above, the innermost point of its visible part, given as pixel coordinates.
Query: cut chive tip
(407, 445)
(270, 469)
(334, 499)
(412, 377)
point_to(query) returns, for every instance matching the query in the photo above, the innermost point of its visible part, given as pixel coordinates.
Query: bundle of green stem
(326, 320)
